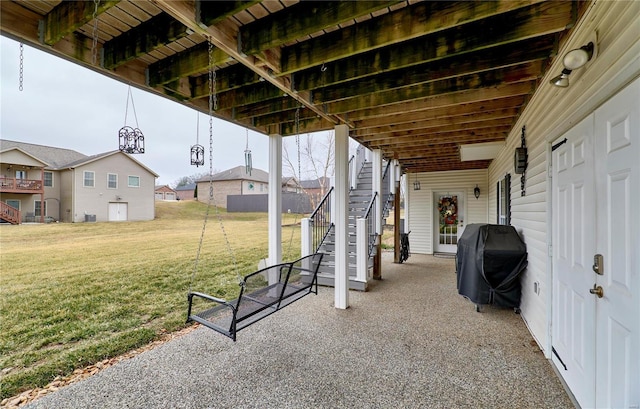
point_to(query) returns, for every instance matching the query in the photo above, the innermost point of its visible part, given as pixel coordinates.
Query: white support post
(362, 250)
(275, 204)
(305, 237)
(407, 201)
(376, 186)
(341, 277)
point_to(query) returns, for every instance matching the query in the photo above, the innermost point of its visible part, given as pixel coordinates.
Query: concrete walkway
(410, 342)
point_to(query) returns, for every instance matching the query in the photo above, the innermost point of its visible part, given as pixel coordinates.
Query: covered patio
(410, 342)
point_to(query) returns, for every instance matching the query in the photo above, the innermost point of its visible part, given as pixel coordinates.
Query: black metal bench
(261, 294)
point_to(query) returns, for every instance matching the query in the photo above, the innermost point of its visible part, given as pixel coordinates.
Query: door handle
(597, 291)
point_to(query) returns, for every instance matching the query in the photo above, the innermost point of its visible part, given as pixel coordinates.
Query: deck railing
(13, 184)
(321, 221)
(10, 213)
(370, 216)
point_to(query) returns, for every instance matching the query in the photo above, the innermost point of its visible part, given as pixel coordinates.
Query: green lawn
(75, 294)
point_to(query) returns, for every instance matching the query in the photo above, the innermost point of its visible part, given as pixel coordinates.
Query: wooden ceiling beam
(183, 64)
(467, 96)
(428, 141)
(423, 125)
(536, 21)
(68, 16)
(404, 24)
(386, 123)
(225, 37)
(477, 126)
(142, 39)
(420, 139)
(213, 12)
(476, 62)
(521, 73)
(302, 19)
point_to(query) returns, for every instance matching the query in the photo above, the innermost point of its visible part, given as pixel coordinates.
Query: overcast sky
(67, 106)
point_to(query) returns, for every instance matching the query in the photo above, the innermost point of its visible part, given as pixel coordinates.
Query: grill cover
(489, 261)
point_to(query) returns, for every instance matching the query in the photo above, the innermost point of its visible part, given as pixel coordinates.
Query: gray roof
(190, 186)
(238, 173)
(58, 158)
(315, 183)
(55, 158)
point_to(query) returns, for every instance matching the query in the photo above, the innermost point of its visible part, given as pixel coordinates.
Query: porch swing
(262, 292)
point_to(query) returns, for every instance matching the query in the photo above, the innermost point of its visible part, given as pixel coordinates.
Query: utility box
(90, 218)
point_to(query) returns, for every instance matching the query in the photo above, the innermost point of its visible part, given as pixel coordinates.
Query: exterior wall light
(573, 60)
(416, 183)
(476, 192)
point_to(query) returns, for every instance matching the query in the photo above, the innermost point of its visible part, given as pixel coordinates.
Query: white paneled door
(118, 212)
(596, 255)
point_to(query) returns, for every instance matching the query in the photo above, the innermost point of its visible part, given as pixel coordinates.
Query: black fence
(291, 203)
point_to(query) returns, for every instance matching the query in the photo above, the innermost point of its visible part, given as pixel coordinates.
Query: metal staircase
(361, 206)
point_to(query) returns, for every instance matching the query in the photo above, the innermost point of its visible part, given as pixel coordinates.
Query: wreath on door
(448, 209)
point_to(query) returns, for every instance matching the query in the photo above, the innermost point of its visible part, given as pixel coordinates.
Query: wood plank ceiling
(415, 79)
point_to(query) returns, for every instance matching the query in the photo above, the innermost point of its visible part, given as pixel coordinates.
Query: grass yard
(75, 294)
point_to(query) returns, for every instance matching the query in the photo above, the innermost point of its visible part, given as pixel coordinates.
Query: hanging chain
(297, 124)
(20, 86)
(213, 106)
(94, 44)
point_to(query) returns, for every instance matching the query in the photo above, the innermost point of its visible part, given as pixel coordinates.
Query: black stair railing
(370, 216)
(321, 221)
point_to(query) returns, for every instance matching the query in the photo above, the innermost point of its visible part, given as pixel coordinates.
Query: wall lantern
(476, 192)
(573, 60)
(416, 183)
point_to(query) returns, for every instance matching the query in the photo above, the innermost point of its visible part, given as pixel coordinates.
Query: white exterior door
(117, 212)
(448, 221)
(617, 135)
(595, 188)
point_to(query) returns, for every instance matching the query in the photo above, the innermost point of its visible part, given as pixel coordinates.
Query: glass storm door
(448, 221)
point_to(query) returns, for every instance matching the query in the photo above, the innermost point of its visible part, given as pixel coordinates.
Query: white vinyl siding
(89, 179)
(549, 114)
(421, 204)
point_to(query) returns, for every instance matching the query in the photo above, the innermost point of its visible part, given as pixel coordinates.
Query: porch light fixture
(573, 60)
(416, 183)
(476, 192)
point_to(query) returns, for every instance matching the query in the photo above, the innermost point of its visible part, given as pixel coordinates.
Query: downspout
(42, 203)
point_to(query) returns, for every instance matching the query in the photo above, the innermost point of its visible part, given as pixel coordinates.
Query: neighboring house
(315, 189)
(164, 192)
(290, 184)
(38, 182)
(234, 181)
(186, 192)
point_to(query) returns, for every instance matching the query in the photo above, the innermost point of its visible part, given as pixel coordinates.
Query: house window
(40, 208)
(89, 179)
(13, 203)
(504, 200)
(134, 181)
(48, 179)
(112, 181)
(21, 174)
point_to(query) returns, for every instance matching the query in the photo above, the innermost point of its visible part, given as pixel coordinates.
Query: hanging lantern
(197, 155)
(131, 140)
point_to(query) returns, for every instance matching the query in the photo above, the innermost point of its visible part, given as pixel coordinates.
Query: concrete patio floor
(409, 342)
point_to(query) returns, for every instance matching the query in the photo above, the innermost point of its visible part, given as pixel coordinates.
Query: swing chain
(20, 86)
(94, 44)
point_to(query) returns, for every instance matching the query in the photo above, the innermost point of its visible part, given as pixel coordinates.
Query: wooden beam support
(303, 19)
(404, 24)
(67, 16)
(390, 122)
(192, 61)
(142, 39)
(471, 127)
(521, 73)
(213, 12)
(477, 62)
(536, 21)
